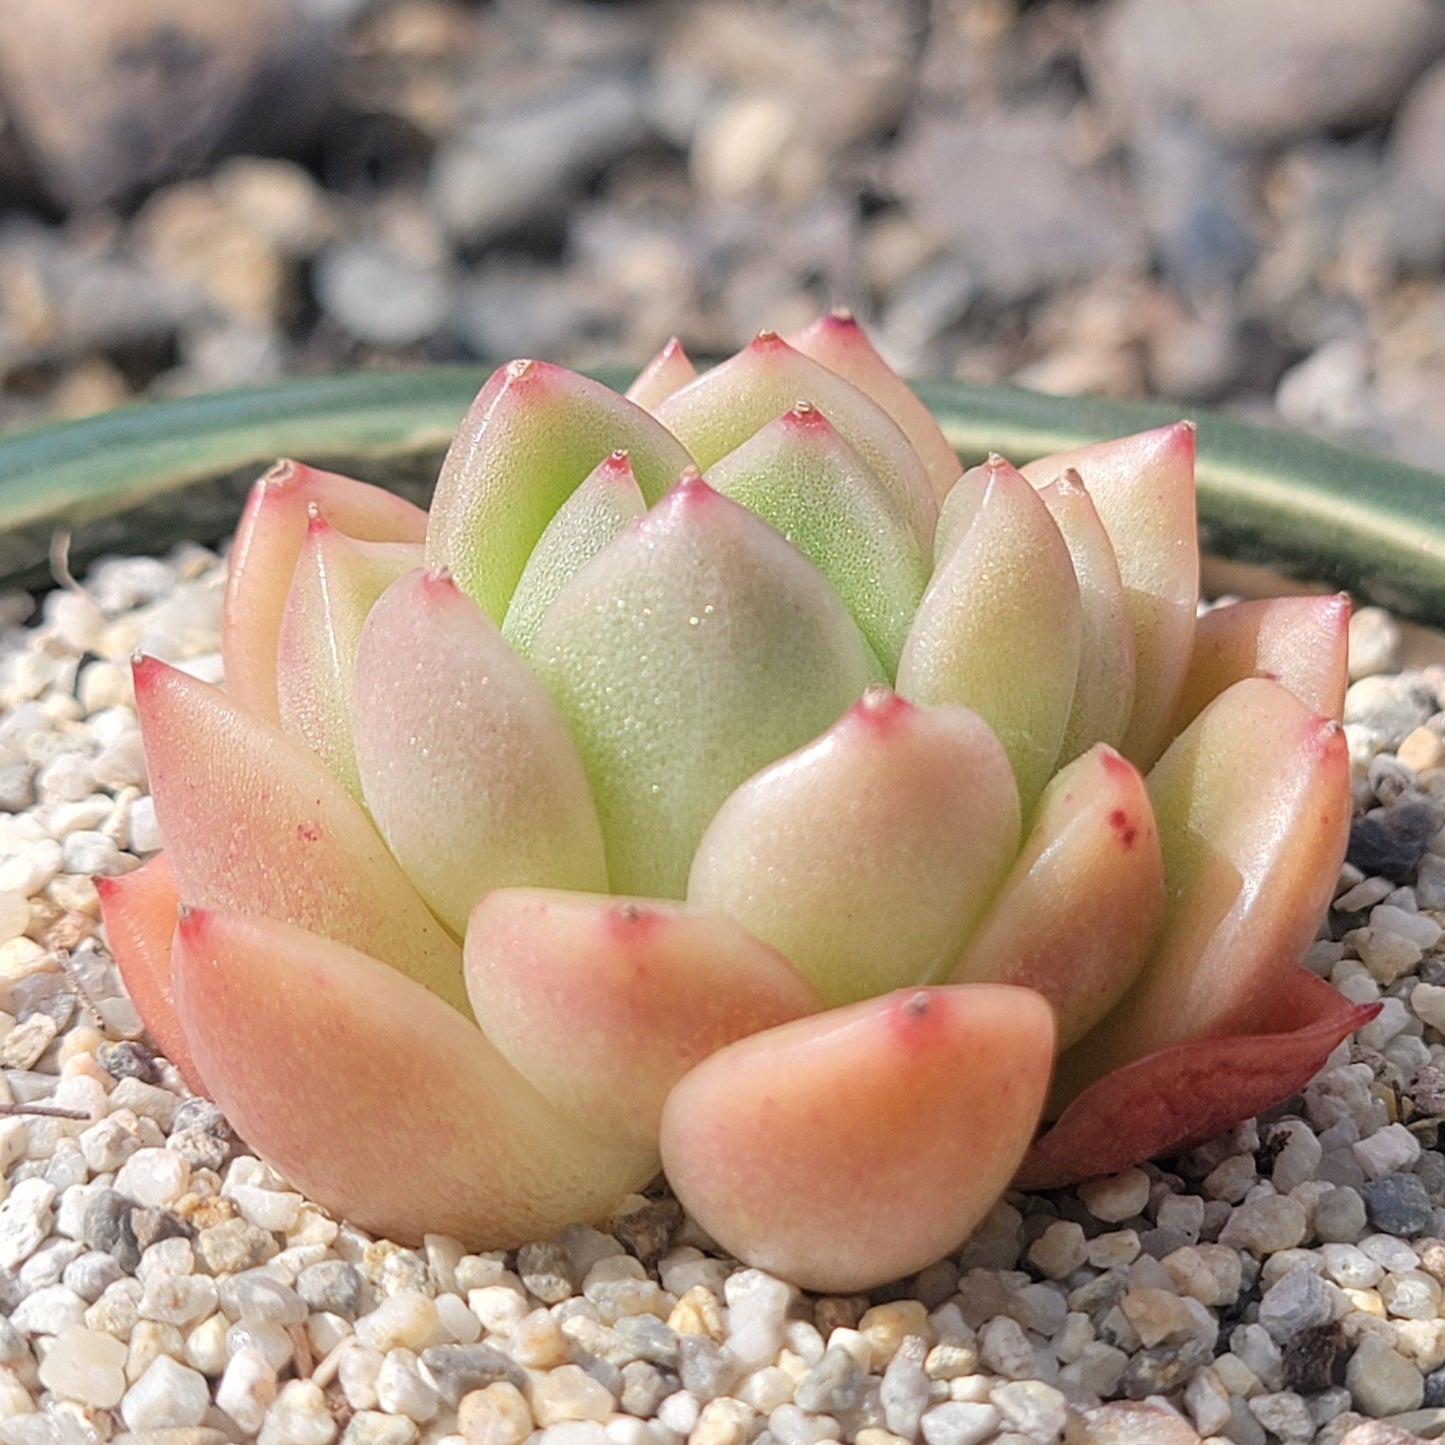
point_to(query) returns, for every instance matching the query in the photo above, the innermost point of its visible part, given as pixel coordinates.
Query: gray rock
(1261, 71)
(1298, 1300)
(380, 295)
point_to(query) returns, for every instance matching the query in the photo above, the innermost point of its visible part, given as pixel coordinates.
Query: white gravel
(160, 1285)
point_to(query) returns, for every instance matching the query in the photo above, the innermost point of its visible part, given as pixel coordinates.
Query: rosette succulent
(721, 779)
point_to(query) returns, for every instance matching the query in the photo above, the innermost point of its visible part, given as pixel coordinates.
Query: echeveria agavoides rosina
(716, 779)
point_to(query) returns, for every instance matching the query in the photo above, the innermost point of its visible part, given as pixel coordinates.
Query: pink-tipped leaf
(861, 1144)
(867, 856)
(465, 763)
(532, 435)
(382, 1103)
(603, 1003)
(268, 541)
(667, 372)
(1076, 916)
(253, 823)
(1000, 627)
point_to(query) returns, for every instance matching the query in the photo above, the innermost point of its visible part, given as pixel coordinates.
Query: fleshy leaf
(1176, 1098)
(336, 581)
(836, 341)
(584, 524)
(858, 1145)
(139, 911)
(465, 762)
(693, 650)
(726, 405)
(1143, 488)
(252, 822)
(866, 856)
(1253, 807)
(667, 372)
(532, 435)
(268, 542)
(1300, 642)
(1076, 916)
(603, 1003)
(1104, 695)
(378, 1100)
(802, 478)
(1000, 626)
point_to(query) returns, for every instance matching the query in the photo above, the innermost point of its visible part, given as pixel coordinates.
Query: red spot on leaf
(1125, 829)
(308, 832)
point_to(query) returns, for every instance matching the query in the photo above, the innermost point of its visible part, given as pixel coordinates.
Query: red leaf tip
(842, 317)
(880, 708)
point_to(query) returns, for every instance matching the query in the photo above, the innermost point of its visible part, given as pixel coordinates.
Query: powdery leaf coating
(533, 433)
(1143, 488)
(377, 1099)
(466, 765)
(1000, 627)
(689, 653)
(866, 857)
(253, 822)
(603, 1003)
(840, 1150)
(269, 539)
(802, 478)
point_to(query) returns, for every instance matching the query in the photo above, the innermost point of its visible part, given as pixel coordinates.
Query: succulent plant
(716, 778)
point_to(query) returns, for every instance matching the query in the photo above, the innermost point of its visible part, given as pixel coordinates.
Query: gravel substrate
(160, 1284)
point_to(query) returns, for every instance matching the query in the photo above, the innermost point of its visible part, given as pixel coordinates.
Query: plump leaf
(465, 762)
(1300, 642)
(1143, 488)
(252, 822)
(866, 856)
(1000, 627)
(1104, 694)
(694, 649)
(603, 1003)
(378, 1100)
(1077, 914)
(836, 341)
(1253, 807)
(801, 477)
(667, 372)
(336, 581)
(726, 405)
(532, 435)
(139, 912)
(1171, 1100)
(584, 524)
(860, 1144)
(269, 539)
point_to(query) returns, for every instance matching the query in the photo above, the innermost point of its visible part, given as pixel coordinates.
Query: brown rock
(111, 96)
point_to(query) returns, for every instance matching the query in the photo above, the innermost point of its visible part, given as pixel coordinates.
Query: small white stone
(1382, 1381)
(957, 1423)
(49, 1310)
(298, 1416)
(168, 1395)
(272, 1209)
(1059, 1250)
(154, 1176)
(405, 1320)
(1387, 1151)
(247, 1389)
(757, 1309)
(401, 1389)
(1116, 1197)
(86, 1366)
(25, 1218)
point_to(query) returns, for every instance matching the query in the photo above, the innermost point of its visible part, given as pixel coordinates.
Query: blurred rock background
(1232, 202)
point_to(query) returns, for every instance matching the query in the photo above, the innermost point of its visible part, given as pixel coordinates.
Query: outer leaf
(802, 478)
(1104, 696)
(839, 343)
(1251, 854)
(727, 404)
(603, 1003)
(583, 525)
(999, 628)
(268, 542)
(866, 856)
(1171, 1100)
(1300, 642)
(465, 762)
(693, 650)
(532, 435)
(1143, 487)
(377, 1099)
(139, 912)
(336, 581)
(667, 372)
(1077, 914)
(253, 822)
(858, 1145)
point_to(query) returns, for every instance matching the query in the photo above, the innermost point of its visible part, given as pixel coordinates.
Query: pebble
(1398, 1204)
(1381, 1381)
(1116, 1197)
